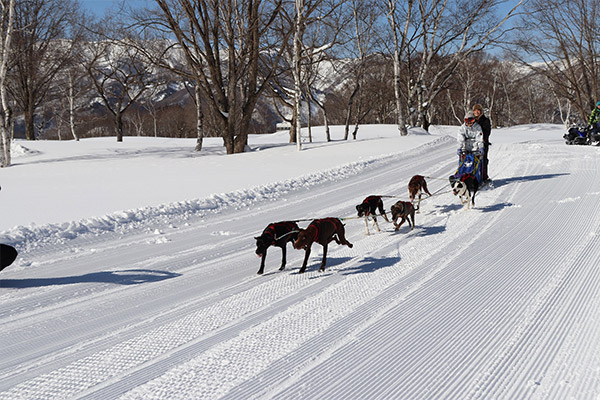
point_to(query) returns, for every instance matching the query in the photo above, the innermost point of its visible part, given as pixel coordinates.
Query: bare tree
(6, 32)
(72, 85)
(363, 38)
(565, 44)
(227, 52)
(401, 40)
(179, 58)
(119, 72)
(299, 26)
(315, 33)
(43, 40)
(436, 36)
(300, 80)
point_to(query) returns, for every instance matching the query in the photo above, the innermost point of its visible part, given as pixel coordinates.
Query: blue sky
(99, 7)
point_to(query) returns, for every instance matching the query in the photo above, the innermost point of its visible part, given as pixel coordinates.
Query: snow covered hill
(137, 273)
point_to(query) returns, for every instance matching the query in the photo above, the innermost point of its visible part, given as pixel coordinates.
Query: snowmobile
(578, 134)
(469, 162)
(593, 137)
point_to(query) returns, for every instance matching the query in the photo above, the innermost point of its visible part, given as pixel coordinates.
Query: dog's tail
(425, 187)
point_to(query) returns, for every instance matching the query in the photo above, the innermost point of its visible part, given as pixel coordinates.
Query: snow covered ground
(136, 277)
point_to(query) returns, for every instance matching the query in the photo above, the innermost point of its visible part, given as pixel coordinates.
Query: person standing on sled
(470, 135)
(486, 128)
(470, 149)
(594, 120)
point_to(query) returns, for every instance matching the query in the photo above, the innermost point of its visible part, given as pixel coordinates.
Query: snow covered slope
(163, 301)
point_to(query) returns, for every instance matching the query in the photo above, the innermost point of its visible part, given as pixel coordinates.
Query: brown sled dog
(416, 186)
(404, 210)
(321, 231)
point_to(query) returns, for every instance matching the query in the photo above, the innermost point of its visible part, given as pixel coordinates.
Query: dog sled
(469, 163)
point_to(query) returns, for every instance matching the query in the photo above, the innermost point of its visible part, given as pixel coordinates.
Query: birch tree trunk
(296, 71)
(8, 13)
(349, 112)
(199, 118)
(360, 37)
(324, 111)
(72, 107)
(399, 50)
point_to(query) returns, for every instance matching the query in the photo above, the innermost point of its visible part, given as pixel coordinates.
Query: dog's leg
(283, 256)
(324, 258)
(385, 217)
(342, 239)
(306, 255)
(366, 226)
(401, 222)
(375, 224)
(262, 263)
(382, 212)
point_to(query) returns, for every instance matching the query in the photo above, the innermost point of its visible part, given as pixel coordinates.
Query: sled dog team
(325, 230)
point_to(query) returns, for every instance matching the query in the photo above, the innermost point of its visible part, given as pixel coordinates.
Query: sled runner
(469, 162)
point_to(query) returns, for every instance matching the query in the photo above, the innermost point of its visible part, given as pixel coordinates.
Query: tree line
(228, 68)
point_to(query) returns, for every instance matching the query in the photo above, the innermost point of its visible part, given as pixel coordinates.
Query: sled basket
(469, 163)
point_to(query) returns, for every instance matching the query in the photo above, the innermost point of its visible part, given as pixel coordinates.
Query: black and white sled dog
(369, 207)
(465, 187)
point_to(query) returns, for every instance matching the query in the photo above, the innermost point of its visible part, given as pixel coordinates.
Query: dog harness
(464, 177)
(271, 230)
(370, 199)
(316, 224)
(405, 205)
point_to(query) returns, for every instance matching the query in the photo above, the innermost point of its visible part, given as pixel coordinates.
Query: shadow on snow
(125, 277)
(371, 264)
(529, 178)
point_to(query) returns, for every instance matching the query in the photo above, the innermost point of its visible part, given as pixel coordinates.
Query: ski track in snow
(495, 302)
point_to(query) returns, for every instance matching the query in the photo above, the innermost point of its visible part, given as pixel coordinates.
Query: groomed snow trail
(499, 301)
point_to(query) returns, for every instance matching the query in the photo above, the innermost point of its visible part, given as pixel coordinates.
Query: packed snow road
(500, 301)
